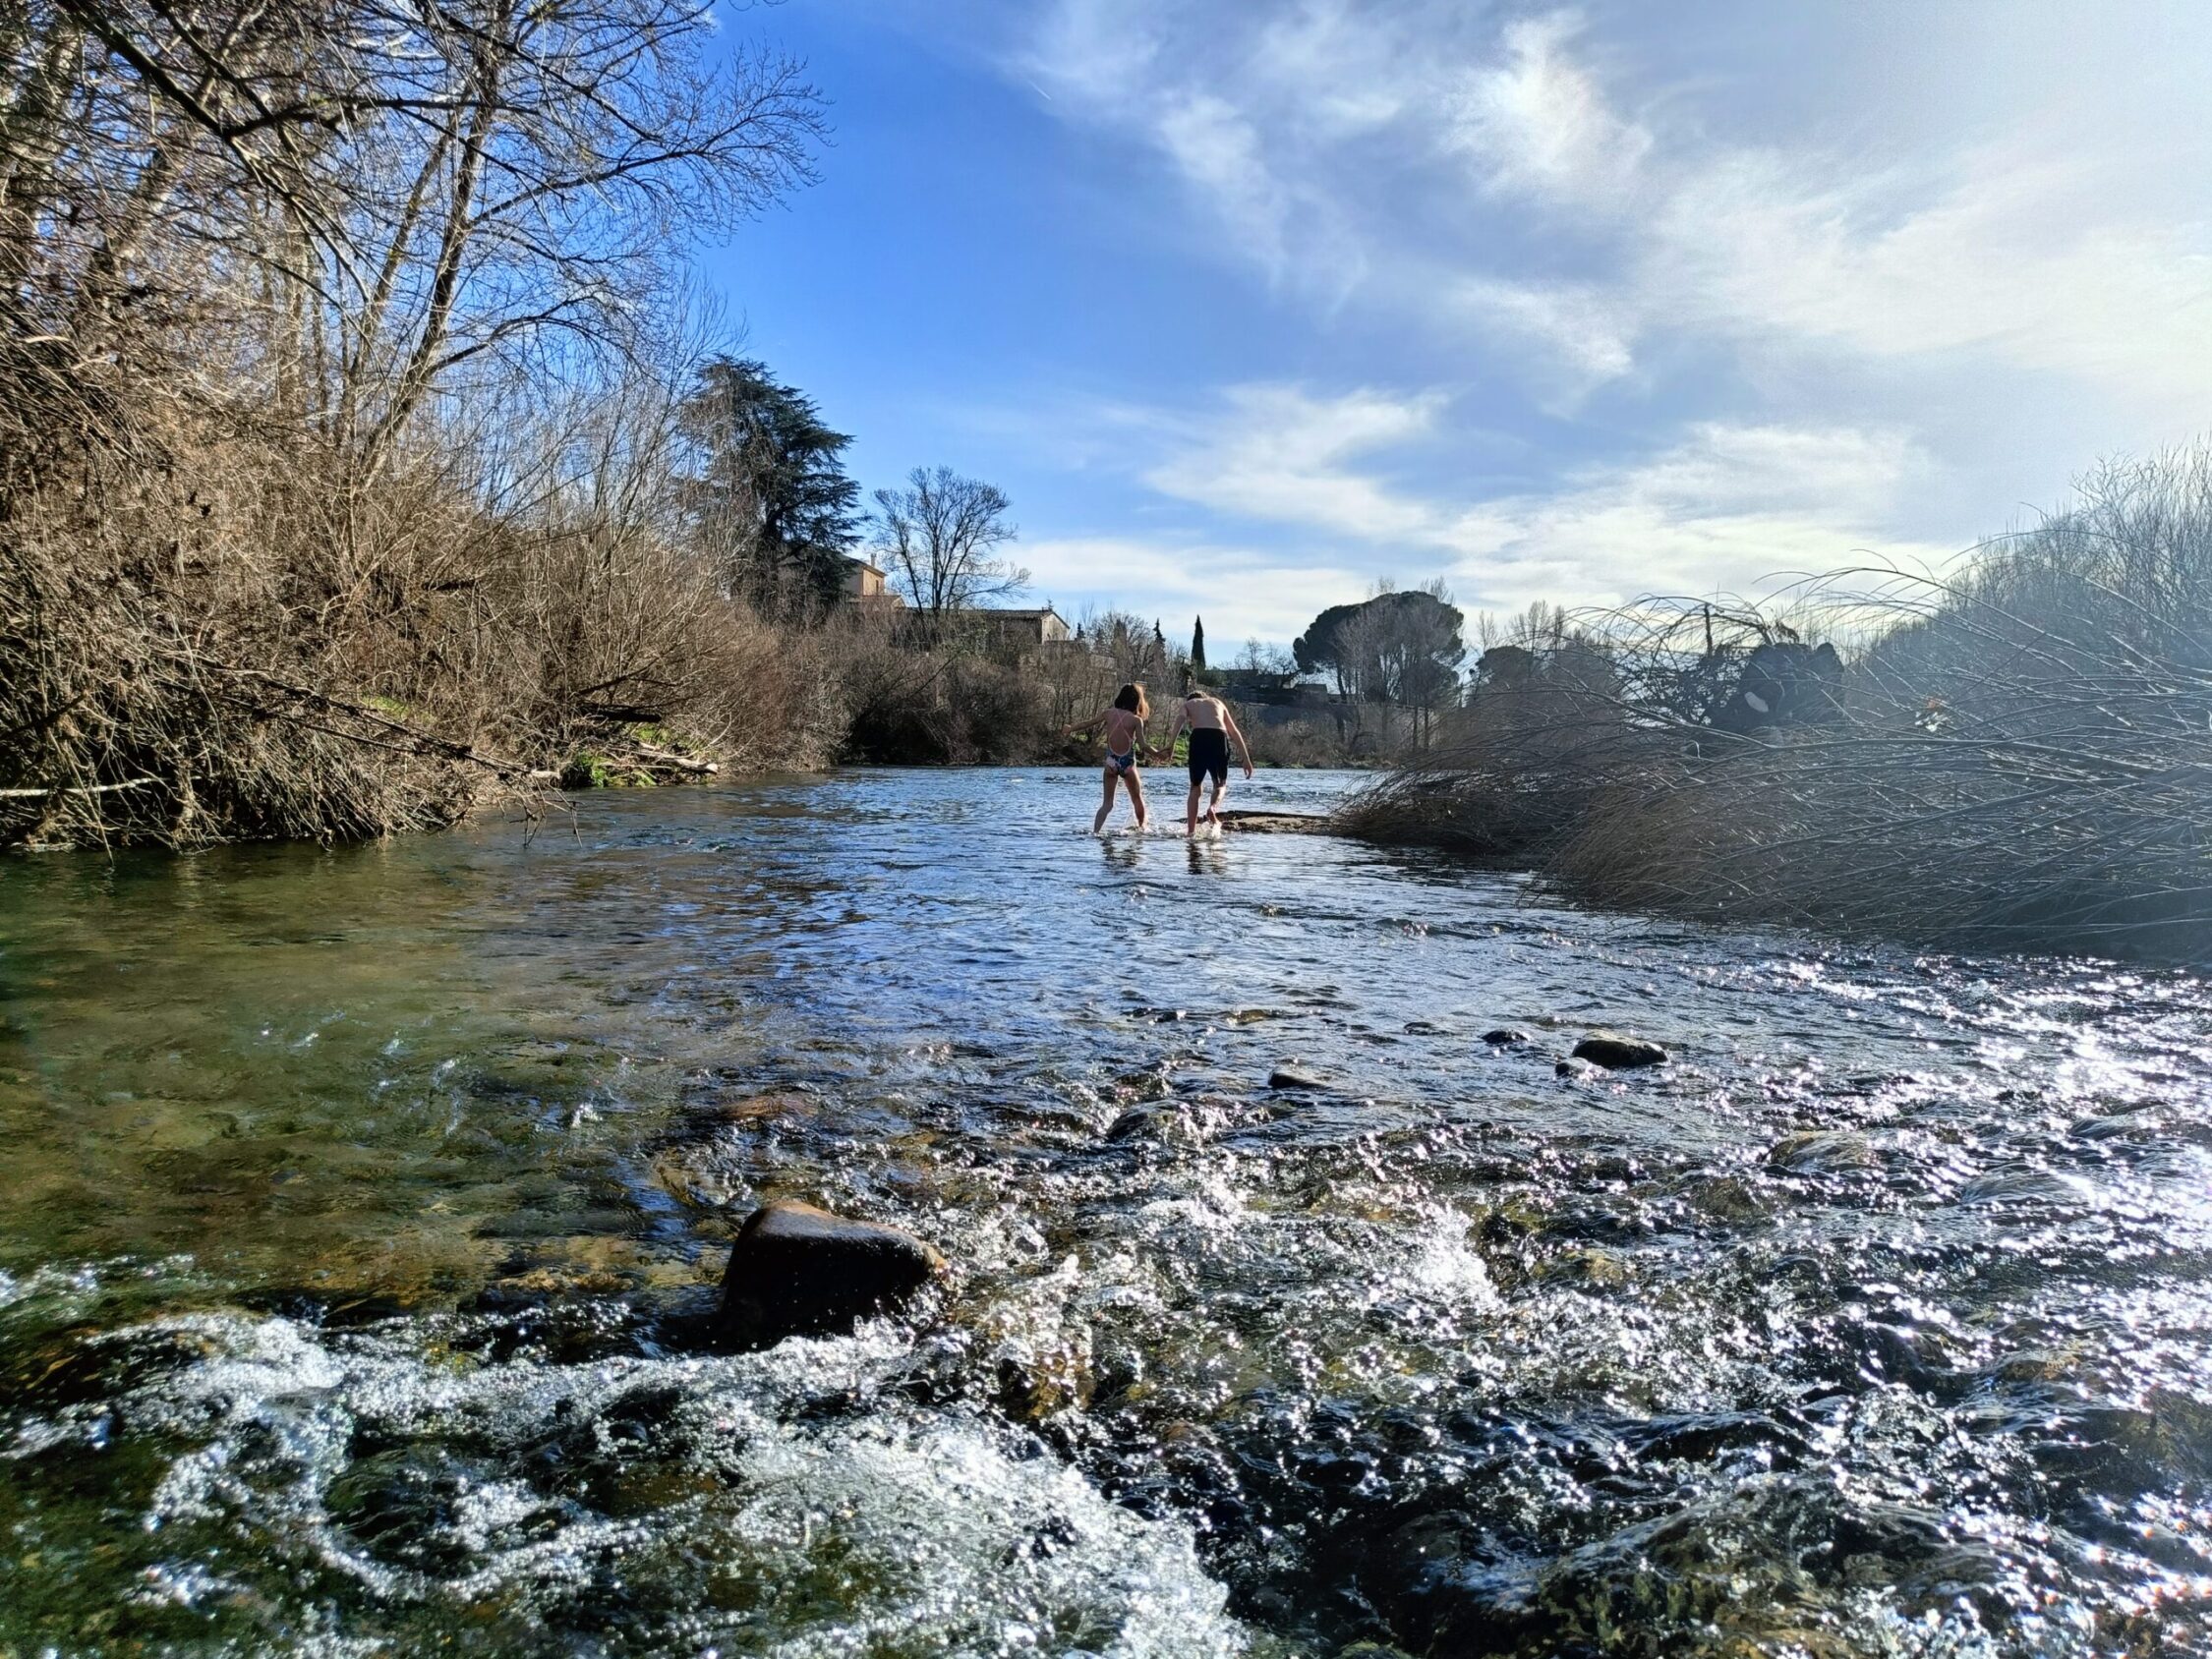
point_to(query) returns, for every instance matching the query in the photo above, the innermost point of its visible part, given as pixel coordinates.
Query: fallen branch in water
(681, 762)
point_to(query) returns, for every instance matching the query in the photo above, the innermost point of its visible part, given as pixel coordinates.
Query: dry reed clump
(2017, 758)
(1510, 778)
(338, 458)
(943, 708)
(213, 631)
(180, 647)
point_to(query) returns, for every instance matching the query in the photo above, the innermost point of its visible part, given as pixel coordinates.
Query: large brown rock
(800, 1271)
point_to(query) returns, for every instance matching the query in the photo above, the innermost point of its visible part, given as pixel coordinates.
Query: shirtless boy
(1210, 725)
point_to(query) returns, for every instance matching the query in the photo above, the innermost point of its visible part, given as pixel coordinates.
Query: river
(361, 1206)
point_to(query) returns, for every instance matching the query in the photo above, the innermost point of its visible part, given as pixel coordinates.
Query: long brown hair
(1131, 700)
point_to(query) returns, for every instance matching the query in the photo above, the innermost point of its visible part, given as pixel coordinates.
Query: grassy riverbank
(2018, 755)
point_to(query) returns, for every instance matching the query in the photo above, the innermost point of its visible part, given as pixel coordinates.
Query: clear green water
(360, 1207)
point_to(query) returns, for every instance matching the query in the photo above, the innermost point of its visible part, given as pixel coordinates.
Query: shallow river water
(361, 1208)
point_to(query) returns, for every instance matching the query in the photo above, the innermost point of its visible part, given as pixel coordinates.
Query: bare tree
(384, 193)
(1430, 649)
(1259, 658)
(289, 288)
(938, 539)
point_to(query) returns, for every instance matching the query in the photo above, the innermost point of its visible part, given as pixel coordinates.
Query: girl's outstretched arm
(1083, 725)
(1181, 716)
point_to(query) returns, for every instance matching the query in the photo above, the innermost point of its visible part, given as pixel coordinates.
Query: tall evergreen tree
(1199, 647)
(769, 497)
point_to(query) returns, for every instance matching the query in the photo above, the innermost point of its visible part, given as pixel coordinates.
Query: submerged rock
(1290, 1077)
(1821, 1151)
(1505, 1036)
(800, 1271)
(1616, 1052)
(1275, 823)
(1130, 1123)
(1590, 1267)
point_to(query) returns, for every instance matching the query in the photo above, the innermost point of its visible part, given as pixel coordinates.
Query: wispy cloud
(1243, 591)
(1536, 122)
(1728, 339)
(1725, 507)
(1727, 510)
(1457, 167)
(1278, 452)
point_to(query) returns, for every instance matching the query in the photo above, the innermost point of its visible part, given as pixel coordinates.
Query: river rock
(800, 1271)
(1821, 1151)
(1591, 1268)
(1275, 823)
(1132, 1123)
(1616, 1052)
(2032, 1365)
(1505, 1036)
(1290, 1077)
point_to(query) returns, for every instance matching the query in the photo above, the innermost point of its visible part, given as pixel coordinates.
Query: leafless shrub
(334, 491)
(2019, 756)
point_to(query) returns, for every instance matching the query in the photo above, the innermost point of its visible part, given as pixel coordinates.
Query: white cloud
(2009, 261)
(1729, 338)
(1277, 452)
(1725, 507)
(1587, 330)
(1537, 121)
(1218, 150)
(1244, 593)
(1727, 510)
(1450, 167)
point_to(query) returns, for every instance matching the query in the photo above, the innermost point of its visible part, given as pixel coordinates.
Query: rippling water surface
(360, 1207)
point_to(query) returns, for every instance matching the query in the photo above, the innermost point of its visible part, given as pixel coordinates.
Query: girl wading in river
(1211, 726)
(1123, 727)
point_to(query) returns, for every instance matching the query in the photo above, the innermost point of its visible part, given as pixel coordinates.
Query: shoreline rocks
(796, 1270)
(1276, 822)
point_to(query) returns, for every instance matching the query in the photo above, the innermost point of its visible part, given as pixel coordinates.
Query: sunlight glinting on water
(354, 1265)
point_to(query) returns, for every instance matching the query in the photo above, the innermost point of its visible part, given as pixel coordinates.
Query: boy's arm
(1238, 732)
(1181, 714)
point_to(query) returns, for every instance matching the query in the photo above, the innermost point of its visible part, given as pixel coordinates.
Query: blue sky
(1248, 307)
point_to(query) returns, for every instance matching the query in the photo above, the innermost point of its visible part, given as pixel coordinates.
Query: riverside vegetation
(363, 458)
(2014, 756)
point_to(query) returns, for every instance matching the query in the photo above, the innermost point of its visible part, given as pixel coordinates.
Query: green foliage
(588, 770)
(770, 492)
(1401, 646)
(1318, 650)
(667, 737)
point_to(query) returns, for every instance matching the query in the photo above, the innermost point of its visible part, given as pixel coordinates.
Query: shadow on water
(364, 1205)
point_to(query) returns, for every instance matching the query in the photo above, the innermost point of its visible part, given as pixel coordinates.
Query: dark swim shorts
(1209, 752)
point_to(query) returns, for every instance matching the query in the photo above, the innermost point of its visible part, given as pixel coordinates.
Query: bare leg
(1137, 798)
(1213, 804)
(1190, 812)
(1106, 806)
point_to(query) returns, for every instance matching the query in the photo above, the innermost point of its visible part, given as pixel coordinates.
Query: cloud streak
(1723, 342)
(1330, 146)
